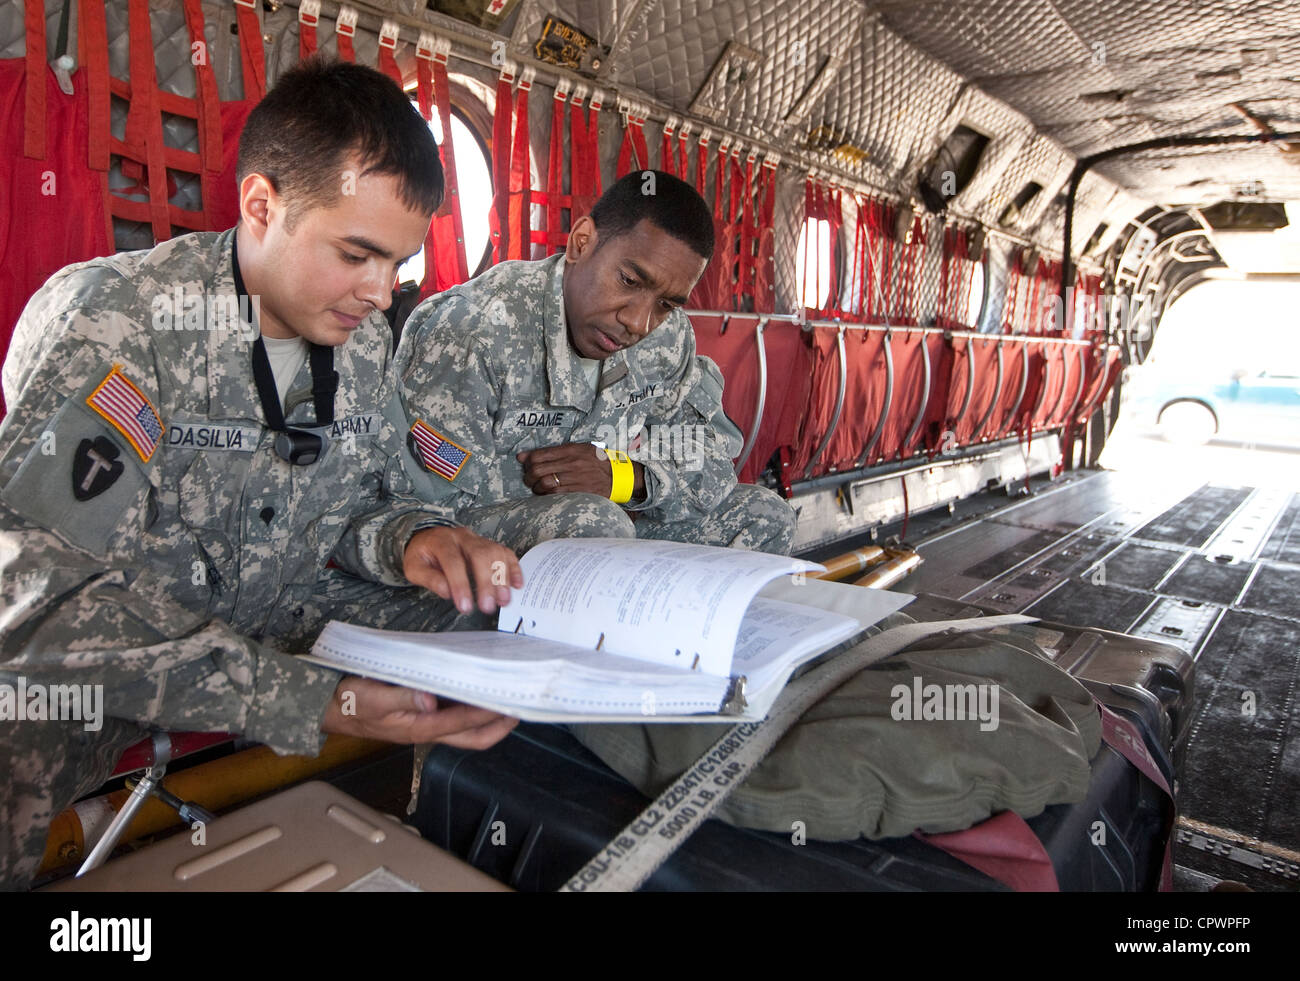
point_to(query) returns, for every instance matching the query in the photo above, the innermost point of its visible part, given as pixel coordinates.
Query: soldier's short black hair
(665, 201)
(321, 111)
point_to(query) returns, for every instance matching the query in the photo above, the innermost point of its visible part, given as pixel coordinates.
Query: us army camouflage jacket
(149, 536)
(488, 370)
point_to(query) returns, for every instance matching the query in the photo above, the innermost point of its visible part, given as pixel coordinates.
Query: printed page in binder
(674, 624)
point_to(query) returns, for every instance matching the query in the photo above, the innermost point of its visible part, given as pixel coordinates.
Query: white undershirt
(287, 356)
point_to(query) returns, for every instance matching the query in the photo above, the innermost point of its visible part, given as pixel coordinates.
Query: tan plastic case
(310, 838)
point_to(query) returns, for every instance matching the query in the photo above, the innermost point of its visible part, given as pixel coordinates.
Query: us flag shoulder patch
(129, 412)
(435, 451)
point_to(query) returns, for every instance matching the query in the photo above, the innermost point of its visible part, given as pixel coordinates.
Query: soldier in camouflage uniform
(154, 542)
(508, 379)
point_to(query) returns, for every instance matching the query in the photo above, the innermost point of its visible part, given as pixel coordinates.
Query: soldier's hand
(374, 710)
(442, 560)
(572, 468)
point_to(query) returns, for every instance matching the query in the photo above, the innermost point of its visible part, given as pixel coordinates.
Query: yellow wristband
(620, 465)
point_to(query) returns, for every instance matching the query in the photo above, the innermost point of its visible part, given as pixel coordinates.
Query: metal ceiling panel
(673, 54)
(1102, 73)
(891, 101)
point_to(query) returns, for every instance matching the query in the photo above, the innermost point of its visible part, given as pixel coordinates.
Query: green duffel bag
(937, 738)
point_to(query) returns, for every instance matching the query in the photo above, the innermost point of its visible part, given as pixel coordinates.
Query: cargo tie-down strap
(647, 842)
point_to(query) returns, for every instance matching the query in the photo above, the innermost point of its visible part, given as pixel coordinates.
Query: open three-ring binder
(620, 630)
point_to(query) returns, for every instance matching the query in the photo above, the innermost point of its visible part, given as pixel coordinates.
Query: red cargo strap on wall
(251, 52)
(822, 202)
(520, 246)
(308, 19)
(593, 145)
(857, 306)
(34, 97)
(424, 99)
(424, 78)
(667, 160)
(638, 138)
(387, 60)
(872, 248)
(832, 201)
(731, 286)
(1004, 848)
(1011, 316)
(208, 101)
(633, 150)
(882, 220)
(582, 158)
(765, 262)
(702, 163)
(748, 238)
(955, 280)
(811, 209)
(145, 156)
(207, 107)
(709, 293)
(445, 263)
(501, 117)
(345, 28)
(92, 46)
(913, 270)
(451, 255)
(553, 237)
(144, 119)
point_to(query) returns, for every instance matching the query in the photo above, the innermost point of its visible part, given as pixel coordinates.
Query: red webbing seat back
(789, 370)
(1014, 355)
(1023, 417)
(1073, 367)
(824, 387)
(984, 352)
(958, 381)
(909, 389)
(789, 387)
(732, 344)
(864, 398)
(934, 432)
(1053, 383)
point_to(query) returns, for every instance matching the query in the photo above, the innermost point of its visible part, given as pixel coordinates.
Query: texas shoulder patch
(128, 411)
(435, 451)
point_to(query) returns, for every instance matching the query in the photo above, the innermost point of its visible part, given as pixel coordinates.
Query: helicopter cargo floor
(1213, 568)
